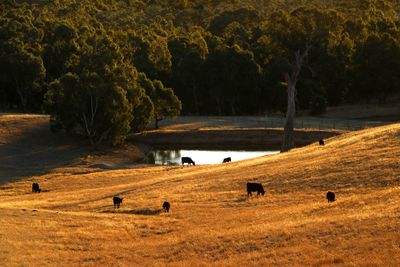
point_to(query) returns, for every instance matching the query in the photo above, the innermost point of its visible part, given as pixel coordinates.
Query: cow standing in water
(188, 161)
(255, 187)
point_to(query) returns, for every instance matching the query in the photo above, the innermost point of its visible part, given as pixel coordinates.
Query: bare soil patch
(241, 139)
(241, 133)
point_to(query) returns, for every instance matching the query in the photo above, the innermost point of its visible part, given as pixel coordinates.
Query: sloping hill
(212, 222)
(27, 147)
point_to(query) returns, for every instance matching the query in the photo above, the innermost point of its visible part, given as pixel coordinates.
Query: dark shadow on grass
(34, 150)
(241, 199)
(147, 212)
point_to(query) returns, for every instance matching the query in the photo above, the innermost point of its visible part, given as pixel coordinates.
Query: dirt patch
(219, 132)
(368, 112)
(249, 139)
(115, 158)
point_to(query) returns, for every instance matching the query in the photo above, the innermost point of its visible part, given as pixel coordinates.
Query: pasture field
(212, 222)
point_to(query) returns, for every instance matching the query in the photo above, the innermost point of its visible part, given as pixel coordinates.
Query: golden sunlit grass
(211, 221)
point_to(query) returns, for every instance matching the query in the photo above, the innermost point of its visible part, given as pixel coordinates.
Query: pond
(173, 157)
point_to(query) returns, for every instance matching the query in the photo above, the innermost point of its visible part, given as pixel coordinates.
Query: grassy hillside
(74, 223)
(27, 147)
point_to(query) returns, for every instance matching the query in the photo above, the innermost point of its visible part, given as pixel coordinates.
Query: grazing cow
(117, 201)
(330, 196)
(321, 142)
(188, 161)
(255, 187)
(35, 188)
(227, 160)
(166, 206)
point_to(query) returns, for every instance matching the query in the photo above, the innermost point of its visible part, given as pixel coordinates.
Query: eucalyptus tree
(21, 65)
(59, 46)
(166, 103)
(376, 68)
(230, 79)
(376, 59)
(294, 35)
(92, 99)
(188, 55)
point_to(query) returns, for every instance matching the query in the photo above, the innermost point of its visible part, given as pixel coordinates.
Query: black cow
(227, 160)
(330, 196)
(321, 142)
(35, 188)
(166, 206)
(117, 201)
(188, 161)
(255, 187)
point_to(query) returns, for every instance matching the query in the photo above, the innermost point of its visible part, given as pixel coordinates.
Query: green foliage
(21, 66)
(142, 113)
(163, 99)
(22, 71)
(247, 17)
(92, 98)
(60, 46)
(231, 78)
(218, 57)
(377, 74)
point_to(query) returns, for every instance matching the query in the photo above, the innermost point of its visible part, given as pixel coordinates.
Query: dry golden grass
(211, 221)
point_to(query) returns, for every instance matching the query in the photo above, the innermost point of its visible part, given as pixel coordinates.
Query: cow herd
(117, 201)
(250, 186)
(189, 161)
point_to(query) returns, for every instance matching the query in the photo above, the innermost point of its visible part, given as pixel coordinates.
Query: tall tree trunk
(288, 139)
(291, 80)
(196, 104)
(232, 105)
(156, 121)
(23, 95)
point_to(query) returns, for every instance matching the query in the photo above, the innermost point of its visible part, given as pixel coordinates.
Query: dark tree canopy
(146, 60)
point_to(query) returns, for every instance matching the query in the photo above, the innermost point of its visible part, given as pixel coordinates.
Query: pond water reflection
(173, 157)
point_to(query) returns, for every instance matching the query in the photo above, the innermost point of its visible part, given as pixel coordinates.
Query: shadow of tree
(147, 212)
(28, 148)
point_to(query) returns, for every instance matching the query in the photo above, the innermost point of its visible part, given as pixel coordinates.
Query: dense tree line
(106, 67)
